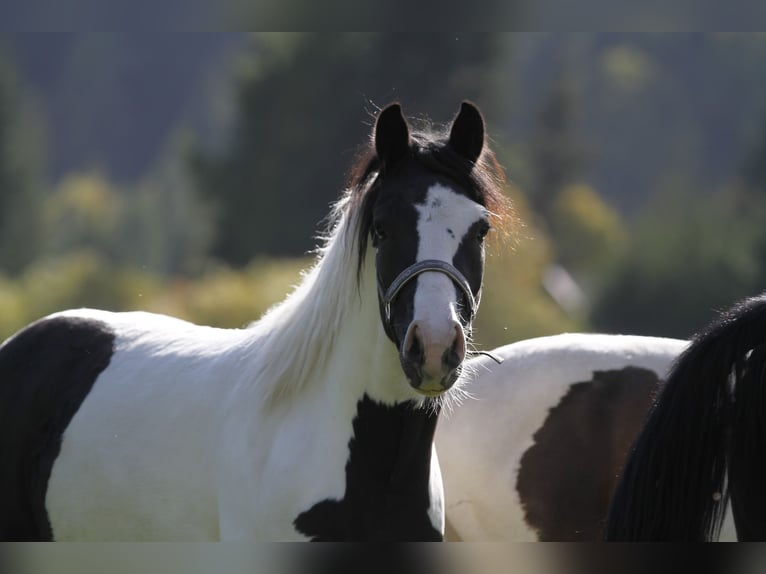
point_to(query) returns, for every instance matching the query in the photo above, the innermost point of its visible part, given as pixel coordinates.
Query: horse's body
(313, 423)
(535, 456)
(703, 443)
(166, 424)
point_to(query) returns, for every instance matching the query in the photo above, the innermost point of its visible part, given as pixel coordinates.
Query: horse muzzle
(432, 360)
(431, 355)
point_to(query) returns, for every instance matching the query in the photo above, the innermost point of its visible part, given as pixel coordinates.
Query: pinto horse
(704, 441)
(537, 454)
(314, 423)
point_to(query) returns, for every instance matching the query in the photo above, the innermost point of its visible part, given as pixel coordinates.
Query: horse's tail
(709, 416)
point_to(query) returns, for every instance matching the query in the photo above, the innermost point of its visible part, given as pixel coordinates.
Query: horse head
(428, 212)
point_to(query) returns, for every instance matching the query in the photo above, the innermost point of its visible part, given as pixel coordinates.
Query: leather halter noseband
(388, 296)
(416, 269)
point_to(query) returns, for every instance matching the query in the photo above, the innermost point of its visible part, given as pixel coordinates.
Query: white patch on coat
(444, 218)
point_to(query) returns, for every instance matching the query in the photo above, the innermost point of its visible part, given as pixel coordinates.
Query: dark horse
(316, 422)
(704, 440)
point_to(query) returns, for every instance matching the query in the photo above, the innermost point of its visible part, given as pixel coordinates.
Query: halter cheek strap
(416, 269)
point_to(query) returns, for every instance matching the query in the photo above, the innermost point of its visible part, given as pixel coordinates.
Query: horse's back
(536, 454)
(103, 413)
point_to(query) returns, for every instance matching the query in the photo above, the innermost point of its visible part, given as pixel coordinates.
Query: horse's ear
(467, 133)
(392, 134)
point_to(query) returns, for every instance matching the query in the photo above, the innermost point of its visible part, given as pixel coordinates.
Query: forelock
(483, 181)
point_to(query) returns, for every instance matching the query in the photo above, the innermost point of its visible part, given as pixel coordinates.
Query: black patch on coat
(387, 480)
(567, 477)
(46, 371)
(469, 259)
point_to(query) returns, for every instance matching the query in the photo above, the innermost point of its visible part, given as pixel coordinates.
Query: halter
(421, 267)
(388, 296)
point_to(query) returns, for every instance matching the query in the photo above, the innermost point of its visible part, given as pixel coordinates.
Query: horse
(536, 455)
(314, 423)
(703, 442)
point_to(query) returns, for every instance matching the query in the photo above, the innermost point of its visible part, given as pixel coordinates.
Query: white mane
(293, 338)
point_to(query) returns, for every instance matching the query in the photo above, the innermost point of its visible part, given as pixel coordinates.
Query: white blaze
(443, 220)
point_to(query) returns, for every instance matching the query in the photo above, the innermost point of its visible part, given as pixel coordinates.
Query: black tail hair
(707, 419)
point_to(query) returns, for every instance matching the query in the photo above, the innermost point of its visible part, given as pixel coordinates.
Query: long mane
(294, 338)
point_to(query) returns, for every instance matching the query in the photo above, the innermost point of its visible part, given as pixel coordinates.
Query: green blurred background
(188, 173)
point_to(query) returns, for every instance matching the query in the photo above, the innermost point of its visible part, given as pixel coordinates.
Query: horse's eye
(378, 234)
(483, 230)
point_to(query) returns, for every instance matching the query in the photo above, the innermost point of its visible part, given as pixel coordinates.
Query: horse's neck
(328, 384)
(389, 492)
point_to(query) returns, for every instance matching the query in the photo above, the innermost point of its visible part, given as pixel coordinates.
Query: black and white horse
(316, 422)
(704, 441)
(537, 453)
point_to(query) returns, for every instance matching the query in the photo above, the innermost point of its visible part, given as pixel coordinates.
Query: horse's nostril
(431, 359)
(456, 353)
(413, 347)
(451, 358)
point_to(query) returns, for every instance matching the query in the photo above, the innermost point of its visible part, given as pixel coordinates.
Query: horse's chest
(385, 489)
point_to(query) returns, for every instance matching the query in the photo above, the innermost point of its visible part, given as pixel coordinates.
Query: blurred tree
(652, 105)
(754, 166)
(157, 225)
(111, 99)
(692, 253)
(83, 211)
(223, 297)
(687, 259)
(514, 305)
(301, 114)
(557, 155)
(586, 233)
(19, 172)
(589, 233)
(166, 227)
(752, 197)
